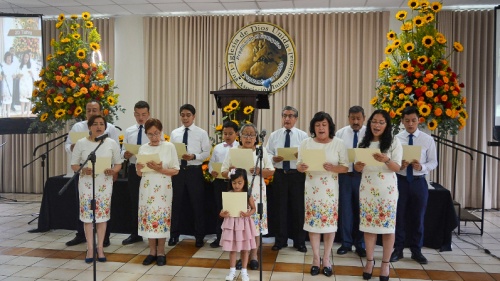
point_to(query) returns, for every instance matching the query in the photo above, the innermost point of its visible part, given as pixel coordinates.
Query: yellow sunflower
(111, 100)
(219, 127)
(441, 39)
(409, 47)
(81, 54)
(424, 110)
(42, 85)
(70, 100)
(432, 125)
(75, 26)
(61, 17)
(461, 120)
(65, 40)
(248, 109)
(74, 16)
(418, 21)
(407, 26)
(166, 137)
(94, 46)
(227, 109)
(374, 100)
(404, 65)
(78, 111)
(77, 94)
(396, 43)
(34, 93)
(383, 65)
(458, 47)
(428, 41)
(59, 99)
(401, 15)
(422, 59)
(44, 117)
(86, 15)
(406, 104)
(60, 113)
(413, 4)
(49, 101)
(391, 35)
(429, 18)
(436, 6)
(89, 24)
(75, 36)
(389, 49)
(236, 122)
(234, 104)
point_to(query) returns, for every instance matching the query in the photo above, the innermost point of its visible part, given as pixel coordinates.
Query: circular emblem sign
(261, 51)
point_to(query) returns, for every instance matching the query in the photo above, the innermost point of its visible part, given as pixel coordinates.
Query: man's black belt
(188, 167)
(414, 177)
(291, 171)
(353, 174)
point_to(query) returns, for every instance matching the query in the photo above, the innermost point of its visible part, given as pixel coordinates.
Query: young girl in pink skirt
(238, 233)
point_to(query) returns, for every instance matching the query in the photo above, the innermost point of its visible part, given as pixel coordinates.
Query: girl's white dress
(26, 83)
(9, 71)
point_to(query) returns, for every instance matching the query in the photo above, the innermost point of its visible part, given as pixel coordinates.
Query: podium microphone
(263, 134)
(101, 137)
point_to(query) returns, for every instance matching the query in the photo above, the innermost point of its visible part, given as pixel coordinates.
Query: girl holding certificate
(155, 191)
(103, 183)
(238, 234)
(322, 187)
(378, 191)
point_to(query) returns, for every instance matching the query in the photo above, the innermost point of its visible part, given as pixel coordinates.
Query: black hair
(230, 124)
(238, 172)
(320, 116)
(295, 111)
(93, 118)
(6, 55)
(189, 107)
(256, 133)
(141, 104)
(92, 101)
(409, 110)
(356, 109)
(22, 60)
(385, 138)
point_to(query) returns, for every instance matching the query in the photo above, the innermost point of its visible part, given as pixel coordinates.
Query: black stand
(260, 207)
(91, 158)
(3, 165)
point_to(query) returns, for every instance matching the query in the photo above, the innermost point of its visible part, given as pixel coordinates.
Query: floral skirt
(103, 190)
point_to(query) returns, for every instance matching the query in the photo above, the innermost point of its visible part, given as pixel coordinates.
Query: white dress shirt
(198, 143)
(219, 153)
(130, 137)
(428, 156)
(347, 135)
(277, 140)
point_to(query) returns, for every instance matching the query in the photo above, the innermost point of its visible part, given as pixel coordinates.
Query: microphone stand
(260, 207)
(92, 159)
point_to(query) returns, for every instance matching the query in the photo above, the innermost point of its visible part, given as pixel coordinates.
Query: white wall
(129, 63)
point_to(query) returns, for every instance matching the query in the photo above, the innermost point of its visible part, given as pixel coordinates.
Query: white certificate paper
(288, 153)
(314, 158)
(145, 158)
(132, 148)
(180, 148)
(241, 158)
(351, 155)
(217, 167)
(76, 136)
(365, 155)
(412, 152)
(234, 203)
(101, 164)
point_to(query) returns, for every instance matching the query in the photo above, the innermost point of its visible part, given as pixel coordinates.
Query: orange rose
(438, 112)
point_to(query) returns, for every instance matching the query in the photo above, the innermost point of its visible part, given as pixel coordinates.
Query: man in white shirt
(91, 108)
(188, 185)
(229, 134)
(349, 187)
(135, 134)
(413, 188)
(288, 184)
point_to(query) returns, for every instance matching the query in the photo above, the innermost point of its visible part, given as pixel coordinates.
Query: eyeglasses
(157, 134)
(248, 136)
(289, 116)
(381, 123)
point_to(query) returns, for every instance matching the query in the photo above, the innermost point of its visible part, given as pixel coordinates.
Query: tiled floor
(44, 256)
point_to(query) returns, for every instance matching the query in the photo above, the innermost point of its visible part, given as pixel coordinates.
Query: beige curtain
(475, 30)
(18, 149)
(337, 60)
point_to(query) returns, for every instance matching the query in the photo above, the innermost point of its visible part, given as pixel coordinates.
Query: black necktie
(409, 169)
(286, 164)
(139, 135)
(355, 145)
(185, 141)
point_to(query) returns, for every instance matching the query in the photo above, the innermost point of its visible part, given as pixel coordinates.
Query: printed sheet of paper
(241, 158)
(101, 164)
(180, 148)
(351, 155)
(132, 148)
(314, 158)
(217, 167)
(288, 153)
(412, 152)
(145, 158)
(365, 155)
(234, 203)
(76, 136)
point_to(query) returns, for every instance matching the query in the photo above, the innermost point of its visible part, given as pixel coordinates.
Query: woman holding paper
(322, 186)
(155, 192)
(378, 191)
(103, 182)
(249, 140)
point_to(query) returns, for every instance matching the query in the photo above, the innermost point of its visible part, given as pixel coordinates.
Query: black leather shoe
(361, 252)
(368, 276)
(173, 241)
(276, 247)
(132, 239)
(302, 248)
(149, 260)
(239, 264)
(254, 265)
(161, 260)
(314, 270)
(215, 244)
(418, 257)
(327, 271)
(77, 240)
(396, 255)
(199, 243)
(106, 242)
(343, 250)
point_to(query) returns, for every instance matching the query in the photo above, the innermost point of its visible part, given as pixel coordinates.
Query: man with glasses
(413, 188)
(288, 185)
(135, 134)
(188, 185)
(349, 187)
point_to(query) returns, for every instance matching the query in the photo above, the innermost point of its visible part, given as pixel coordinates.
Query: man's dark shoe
(418, 257)
(361, 252)
(161, 260)
(173, 241)
(77, 240)
(132, 239)
(302, 248)
(396, 255)
(239, 264)
(199, 243)
(278, 247)
(215, 244)
(343, 250)
(106, 242)
(254, 265)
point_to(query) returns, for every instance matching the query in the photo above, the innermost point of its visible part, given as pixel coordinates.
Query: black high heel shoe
(385, 278)
(368, 276)
(327, 270)
(315, 269)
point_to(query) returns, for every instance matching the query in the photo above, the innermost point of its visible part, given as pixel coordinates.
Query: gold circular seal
(261, 51)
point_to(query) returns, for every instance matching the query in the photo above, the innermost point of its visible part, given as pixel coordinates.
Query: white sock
(232, 270)
(244, 271)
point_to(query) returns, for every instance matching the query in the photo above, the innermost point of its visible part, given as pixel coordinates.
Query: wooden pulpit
(256, 99)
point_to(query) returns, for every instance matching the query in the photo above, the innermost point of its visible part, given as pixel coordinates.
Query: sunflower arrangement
(416, 73)
(72, 78)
